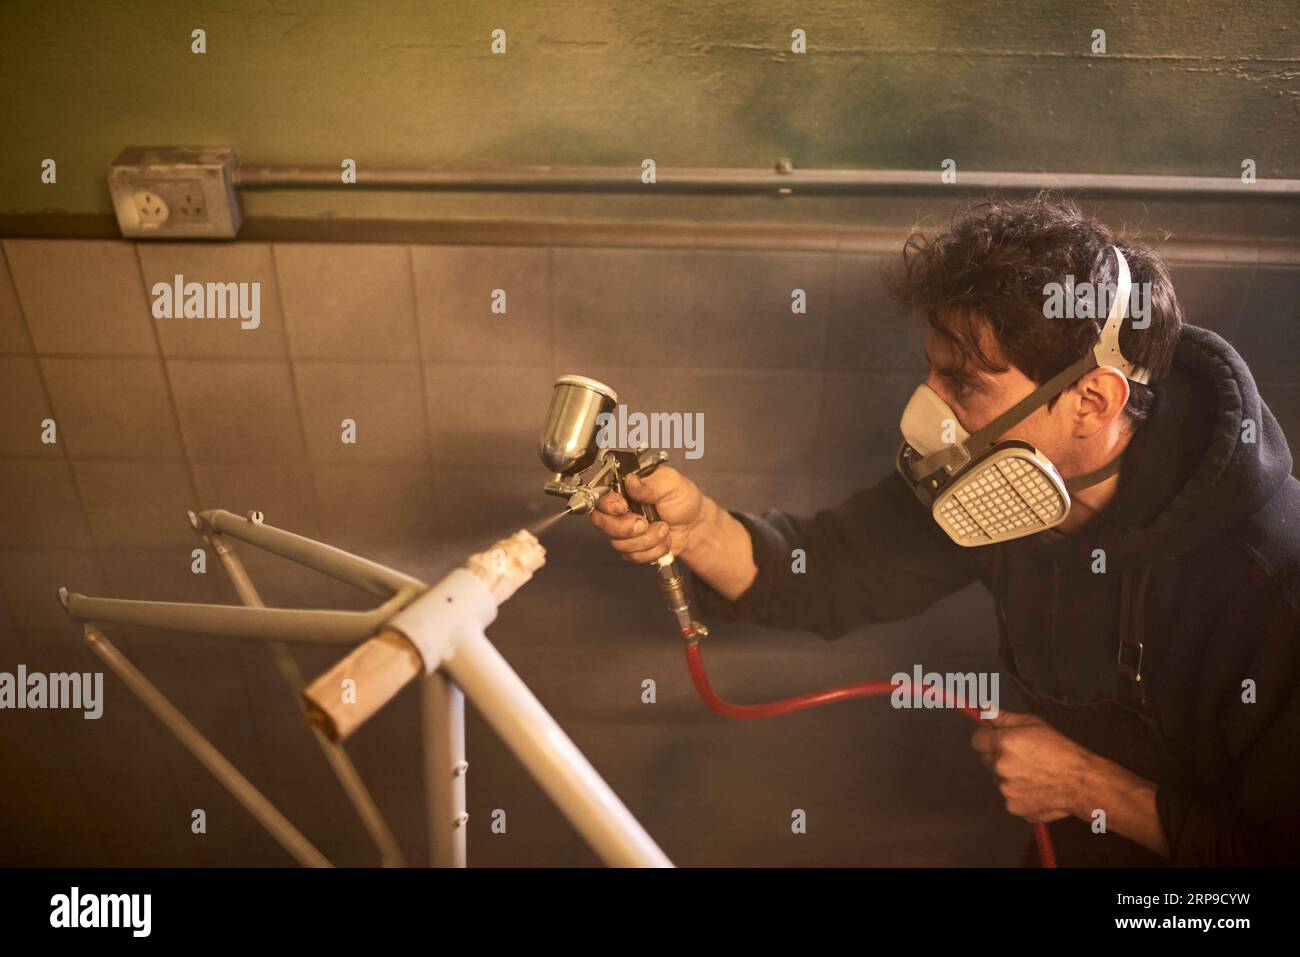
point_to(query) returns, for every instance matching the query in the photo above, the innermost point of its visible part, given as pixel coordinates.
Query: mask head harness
(981, 491)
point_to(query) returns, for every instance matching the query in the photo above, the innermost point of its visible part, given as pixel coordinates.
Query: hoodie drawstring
(1132, 628)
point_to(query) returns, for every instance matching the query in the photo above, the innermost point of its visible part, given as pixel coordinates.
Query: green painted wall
(1190, 87)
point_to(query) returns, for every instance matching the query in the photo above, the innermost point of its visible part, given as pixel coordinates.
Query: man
(1154, 632)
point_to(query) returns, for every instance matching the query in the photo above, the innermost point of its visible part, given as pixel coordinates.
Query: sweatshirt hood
(1210, 454)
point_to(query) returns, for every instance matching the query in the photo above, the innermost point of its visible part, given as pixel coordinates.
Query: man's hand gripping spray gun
(569, 448)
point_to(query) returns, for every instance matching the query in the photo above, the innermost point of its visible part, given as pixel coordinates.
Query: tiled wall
(159, 416)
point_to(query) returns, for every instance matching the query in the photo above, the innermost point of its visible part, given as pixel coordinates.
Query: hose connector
(673, 585)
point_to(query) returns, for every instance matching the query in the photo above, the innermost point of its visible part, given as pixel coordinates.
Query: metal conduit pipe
(782, 179)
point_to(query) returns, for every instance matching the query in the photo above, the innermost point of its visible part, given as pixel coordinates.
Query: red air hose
(695, 661)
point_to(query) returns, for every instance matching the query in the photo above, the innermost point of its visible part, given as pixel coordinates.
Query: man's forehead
(955, 351)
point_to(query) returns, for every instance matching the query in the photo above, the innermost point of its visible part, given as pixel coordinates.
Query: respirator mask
(981, 491)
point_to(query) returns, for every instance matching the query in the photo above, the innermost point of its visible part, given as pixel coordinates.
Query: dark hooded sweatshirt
(1163, 635)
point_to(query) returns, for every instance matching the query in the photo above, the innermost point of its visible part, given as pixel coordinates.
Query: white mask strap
(1107, 349)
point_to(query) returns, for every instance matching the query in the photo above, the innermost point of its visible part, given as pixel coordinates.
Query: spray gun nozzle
(584, 500)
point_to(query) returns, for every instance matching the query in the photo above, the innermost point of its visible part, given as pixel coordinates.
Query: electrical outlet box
(176, 192)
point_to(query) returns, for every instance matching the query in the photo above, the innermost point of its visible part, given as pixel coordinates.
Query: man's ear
(1103, 393)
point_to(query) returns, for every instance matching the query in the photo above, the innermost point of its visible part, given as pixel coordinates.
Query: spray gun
(569, 448)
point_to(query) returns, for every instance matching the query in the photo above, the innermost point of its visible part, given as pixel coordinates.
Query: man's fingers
(619, 526)
(1013, 719)
(650, 554)
(1048, 816)
(611, 503)
(654, 486)
(629, 533)
(612, 517)
(652, 538)
(984, 740)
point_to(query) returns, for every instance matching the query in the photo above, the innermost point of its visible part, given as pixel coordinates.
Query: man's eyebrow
(960, 375)
(956, 372)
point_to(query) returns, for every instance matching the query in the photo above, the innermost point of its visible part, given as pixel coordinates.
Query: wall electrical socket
(176, 192)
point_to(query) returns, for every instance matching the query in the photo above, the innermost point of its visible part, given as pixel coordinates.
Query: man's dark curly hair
(993, 261)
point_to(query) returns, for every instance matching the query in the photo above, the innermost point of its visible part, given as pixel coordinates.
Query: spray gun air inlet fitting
(673, 585)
